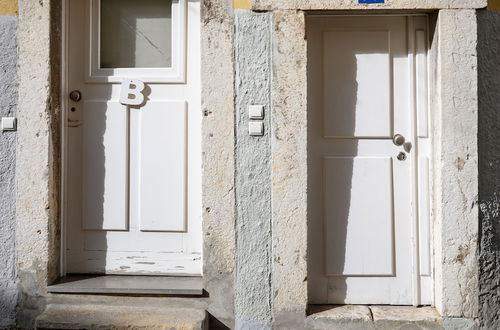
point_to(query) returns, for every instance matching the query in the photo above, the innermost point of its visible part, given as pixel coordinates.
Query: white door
(133, 174)
(368, 231)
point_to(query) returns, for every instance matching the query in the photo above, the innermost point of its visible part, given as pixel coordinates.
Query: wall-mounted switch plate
(9, 124)
(256, 128)
(256, 111)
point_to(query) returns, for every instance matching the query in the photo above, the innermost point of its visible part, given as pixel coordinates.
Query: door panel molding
(369, 218)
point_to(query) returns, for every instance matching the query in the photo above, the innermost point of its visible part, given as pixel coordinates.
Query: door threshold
(129, 285)
(372, 317)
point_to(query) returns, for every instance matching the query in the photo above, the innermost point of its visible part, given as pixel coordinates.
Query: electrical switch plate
(9, 124)
(256, 112)
(256, 128)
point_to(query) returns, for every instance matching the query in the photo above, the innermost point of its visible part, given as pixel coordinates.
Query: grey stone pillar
(253, 172)
(8, 103)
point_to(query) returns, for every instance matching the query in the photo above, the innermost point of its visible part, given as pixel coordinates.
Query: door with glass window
(133, 174)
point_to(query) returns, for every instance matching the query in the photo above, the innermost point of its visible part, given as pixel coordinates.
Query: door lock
(398, 139)
(401, 156)
(75, 95)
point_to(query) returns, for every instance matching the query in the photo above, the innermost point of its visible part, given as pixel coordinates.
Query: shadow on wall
(91, 173)
(489, 163)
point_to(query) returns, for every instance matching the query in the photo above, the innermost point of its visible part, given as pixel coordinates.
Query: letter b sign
(131, 92)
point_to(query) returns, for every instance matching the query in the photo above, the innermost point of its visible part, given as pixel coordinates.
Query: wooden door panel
(357, 80)
(162, 166)
(358, 199)
(424, 212)
(105, 166)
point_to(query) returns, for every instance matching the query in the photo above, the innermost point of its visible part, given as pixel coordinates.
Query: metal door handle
(75, 95)
(398, 139)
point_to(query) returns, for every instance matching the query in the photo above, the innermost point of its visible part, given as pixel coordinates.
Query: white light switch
(256, 128)
(256, 112)
(9, 124)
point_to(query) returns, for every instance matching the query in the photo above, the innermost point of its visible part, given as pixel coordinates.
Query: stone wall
(37, 154)
(355, 5)
(455, 165)
(8, 104)
(218, 164)
(254, 188)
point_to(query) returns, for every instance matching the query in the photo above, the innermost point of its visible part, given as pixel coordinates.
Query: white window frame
(174, 74)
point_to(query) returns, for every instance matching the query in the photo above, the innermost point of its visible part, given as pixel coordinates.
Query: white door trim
(417, 41)
(175, 74)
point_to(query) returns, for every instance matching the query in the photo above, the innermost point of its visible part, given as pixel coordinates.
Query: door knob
(398, 139)
(75, 95)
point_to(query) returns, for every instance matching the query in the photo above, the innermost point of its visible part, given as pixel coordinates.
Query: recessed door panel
(424, 216)
(105, 165)
(359, 222)
(163, 137)
(359, 103)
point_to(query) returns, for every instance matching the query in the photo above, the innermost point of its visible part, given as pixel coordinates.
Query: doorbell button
(256, 111)
(256, 128)
(9, 124)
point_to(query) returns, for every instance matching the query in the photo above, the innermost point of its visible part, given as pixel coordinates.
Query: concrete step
(120, 317)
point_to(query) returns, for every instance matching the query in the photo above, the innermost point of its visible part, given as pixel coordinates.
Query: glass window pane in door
(136, 34)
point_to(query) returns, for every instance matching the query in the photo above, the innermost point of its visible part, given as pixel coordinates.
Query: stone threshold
(372, 317)
(129, 285)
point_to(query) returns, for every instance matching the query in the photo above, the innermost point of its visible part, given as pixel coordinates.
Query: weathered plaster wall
(489, 165)
(287, 139)
(353, 4)
(217, 36)
(289, 168)
(38, 162)
(37, 156)
(253, 294)
(8, 102)
(455, 165)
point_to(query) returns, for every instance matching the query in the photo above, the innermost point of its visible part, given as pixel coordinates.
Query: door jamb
(416, 277)
(64, 130)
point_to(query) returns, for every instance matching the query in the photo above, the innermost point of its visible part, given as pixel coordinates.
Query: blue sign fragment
(371, 1)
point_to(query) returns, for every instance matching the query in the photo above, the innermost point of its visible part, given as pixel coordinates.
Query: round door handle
(75, 95)
(398, 139)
